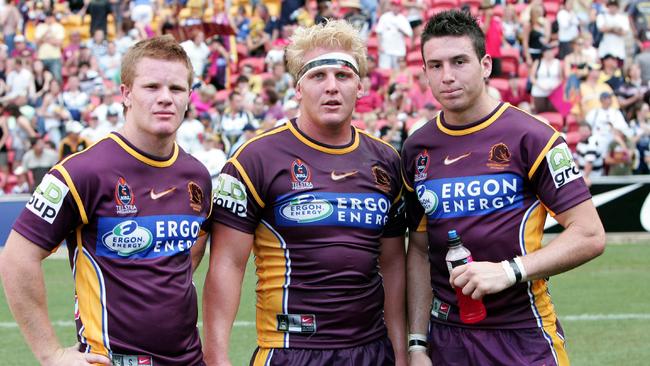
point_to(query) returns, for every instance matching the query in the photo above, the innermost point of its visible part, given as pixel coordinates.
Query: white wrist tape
(509, 272)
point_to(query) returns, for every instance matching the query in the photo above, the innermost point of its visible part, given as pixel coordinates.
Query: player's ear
(126, 95)
(298, 90)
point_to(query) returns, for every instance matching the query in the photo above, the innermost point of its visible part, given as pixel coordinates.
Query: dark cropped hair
(455, 23)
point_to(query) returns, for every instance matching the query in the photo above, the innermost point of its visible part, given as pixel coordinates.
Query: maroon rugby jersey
(317, 213)
(129, 220)
(494, 182)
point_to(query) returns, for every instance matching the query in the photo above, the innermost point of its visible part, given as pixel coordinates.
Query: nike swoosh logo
(337, 177)
(155, 196)
(449, 161)
(601, 199)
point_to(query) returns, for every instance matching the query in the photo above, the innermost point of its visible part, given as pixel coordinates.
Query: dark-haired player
(491, 172)
(130, 208)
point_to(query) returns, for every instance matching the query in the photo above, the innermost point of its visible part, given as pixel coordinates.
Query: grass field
(604, 307)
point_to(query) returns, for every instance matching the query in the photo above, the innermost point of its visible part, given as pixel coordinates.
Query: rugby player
(318, 202)
(130, 208)
(492, 172)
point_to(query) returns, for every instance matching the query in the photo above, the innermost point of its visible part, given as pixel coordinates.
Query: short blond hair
(159, 48)
(334, 35)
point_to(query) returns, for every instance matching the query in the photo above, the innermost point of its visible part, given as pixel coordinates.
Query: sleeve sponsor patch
(230, 194)
(48, 198)
(561, 165)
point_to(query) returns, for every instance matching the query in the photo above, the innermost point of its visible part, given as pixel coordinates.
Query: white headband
(332, 59)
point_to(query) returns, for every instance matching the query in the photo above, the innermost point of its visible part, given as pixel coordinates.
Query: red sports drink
(471, 311)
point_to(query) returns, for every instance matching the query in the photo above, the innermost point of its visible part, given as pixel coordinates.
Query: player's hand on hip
(419, 358)
(478, 279)
(72, 357)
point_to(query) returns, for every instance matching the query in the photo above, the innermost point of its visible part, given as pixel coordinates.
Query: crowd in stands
(581, 65)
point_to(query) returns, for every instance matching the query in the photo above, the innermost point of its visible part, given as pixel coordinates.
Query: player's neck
(484, 106)
(333, 135)
(151, 145)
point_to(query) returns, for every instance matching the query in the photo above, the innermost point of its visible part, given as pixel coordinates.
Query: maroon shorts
(376, 353)
(462, 346)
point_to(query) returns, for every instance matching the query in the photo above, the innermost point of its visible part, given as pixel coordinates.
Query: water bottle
(471, 311)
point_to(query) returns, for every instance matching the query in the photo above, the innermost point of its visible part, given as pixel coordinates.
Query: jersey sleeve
(235, 201)
(556, 178)
(51, 213)
(396, 222)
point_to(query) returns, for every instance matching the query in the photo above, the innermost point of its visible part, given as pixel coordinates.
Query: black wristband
(516, 269)
(418, 342)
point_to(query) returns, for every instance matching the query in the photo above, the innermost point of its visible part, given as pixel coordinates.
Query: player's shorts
(450, 345)
(376, 353)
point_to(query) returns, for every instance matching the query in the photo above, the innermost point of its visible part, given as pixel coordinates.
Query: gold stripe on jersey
(542, 154)
(272, 270)
(406, 184)
(88, 290)
(534, 229)
(73, 189)
(261, 356)
(327, 150)
(248, 181)
(470, 130)
(377, 139)
(144, 159)
(422, 226)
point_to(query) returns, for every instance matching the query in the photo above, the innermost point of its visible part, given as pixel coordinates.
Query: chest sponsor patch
(127, 360)
(230, 193)
(440, 309)
(48, 198)
(147, 236)
(470, 196)
(369, 210)
(562, 166)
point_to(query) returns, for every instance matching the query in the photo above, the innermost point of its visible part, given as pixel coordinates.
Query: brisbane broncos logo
(499, 157)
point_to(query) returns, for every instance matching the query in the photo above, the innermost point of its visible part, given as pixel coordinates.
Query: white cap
(73, 127)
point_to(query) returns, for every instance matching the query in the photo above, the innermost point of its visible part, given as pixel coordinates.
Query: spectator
(492, 27)
(257, 39)
(242, 23)
(191, 132)
(640, 125)
(11, 22)
(271, 23)
(589, 154)
(283, 80)
(42, 79)
(394, 132)
(218, 61)
(568, 28)
(22, 183)
(71, 51)
(354, 15)
(198, 52)
(611, 72)
(109, 64)
(633, 92)
(212, 156)
(639, 13)
(591, 89)
(614, 25)
(248, 132)
(52, 113)
(415, 15)
(21, 49)
(536, 33)
(73, 142)
(98, 44)
(576, 63)
(235, 118)
(324, 11)
(243, 87)
(20, 82)
(643, 60)
(393, 29)
(39, 159)
(20, 130)
(370, 100)
(203, 100)
(425, 114)
(99, 10)
(511, 26)
(74, 99)
(49, 38)
(620, 154)
(545, 78)
(602, 120)
(377, 80)
(4, 137)
(92, 132)
(420, 95)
